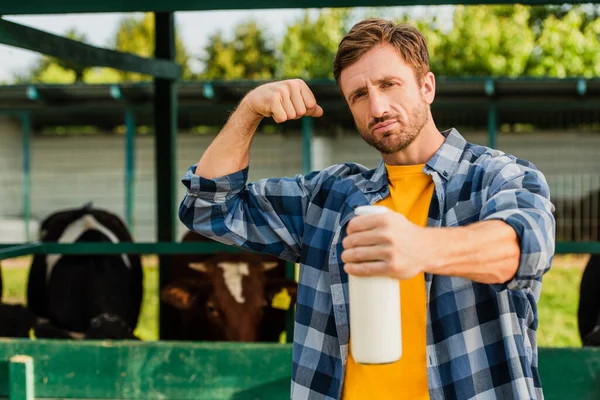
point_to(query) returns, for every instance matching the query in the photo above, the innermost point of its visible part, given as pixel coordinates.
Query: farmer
(470, 237)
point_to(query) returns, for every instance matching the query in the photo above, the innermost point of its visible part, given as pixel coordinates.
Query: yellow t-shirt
(410, 195)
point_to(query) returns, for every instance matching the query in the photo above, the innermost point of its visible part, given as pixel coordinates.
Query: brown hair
(408, 41)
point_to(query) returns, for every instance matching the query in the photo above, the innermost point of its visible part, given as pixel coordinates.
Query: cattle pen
(48, 369)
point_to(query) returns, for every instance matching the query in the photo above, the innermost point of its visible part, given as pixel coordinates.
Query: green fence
(168, 370)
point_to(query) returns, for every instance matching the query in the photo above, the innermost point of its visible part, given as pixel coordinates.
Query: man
(470, 238)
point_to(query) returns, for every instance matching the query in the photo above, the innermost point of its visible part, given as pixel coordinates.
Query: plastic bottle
(375, 324)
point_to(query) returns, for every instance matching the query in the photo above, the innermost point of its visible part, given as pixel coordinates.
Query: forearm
(229, 152)
(486, 252)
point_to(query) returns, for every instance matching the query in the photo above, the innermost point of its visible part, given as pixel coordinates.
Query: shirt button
(445, 173)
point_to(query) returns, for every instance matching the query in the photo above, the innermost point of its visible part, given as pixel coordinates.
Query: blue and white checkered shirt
(481, 339)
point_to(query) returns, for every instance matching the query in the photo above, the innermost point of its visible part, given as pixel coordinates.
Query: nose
(378, 104)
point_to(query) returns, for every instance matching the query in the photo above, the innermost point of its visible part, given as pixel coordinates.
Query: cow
(87, 296)
(15, 320)
(578, 218)
(588, 313)
(226, 296)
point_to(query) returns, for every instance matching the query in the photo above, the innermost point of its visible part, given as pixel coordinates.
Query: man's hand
(283, 100)
(385, 245)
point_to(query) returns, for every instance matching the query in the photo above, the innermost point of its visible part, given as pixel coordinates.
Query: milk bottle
(375, 328)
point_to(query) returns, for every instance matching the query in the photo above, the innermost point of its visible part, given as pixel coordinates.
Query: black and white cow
(89, 296)
(588, 314)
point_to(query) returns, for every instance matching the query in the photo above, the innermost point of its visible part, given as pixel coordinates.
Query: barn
(145, 204)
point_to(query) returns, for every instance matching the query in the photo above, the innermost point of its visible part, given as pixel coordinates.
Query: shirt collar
(446, 158)
(444, 161)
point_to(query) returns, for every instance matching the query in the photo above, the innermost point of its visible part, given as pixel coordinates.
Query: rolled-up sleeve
(519, 195)
(264, 216)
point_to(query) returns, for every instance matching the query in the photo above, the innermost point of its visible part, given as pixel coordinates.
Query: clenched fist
(386, 245)
(283, 101)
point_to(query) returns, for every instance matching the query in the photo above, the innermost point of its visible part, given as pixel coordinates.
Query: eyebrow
(377, 82)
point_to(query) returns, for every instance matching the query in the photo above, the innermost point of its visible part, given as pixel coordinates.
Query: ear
(428, 87)
(269, 265)
(177, 296)
(200, 267)
(281, 293)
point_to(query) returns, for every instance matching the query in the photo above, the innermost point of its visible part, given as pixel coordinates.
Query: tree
(481, 42)
(249, 55)
(136, 35)
(309, 46)
(555, 41)
(567, 46)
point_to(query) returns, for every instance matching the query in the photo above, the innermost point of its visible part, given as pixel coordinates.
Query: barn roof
(78, 6)
(209, 102)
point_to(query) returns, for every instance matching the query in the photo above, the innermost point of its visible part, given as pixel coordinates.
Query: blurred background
(518, 78)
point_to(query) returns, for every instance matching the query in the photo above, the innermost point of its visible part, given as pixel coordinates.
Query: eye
(358, 95)
(212, 310)
(387, 84)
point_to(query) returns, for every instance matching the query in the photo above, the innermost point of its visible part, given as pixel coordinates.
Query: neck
(420, 150)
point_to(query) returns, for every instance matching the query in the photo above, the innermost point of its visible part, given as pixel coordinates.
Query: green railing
(17, 250)
(12, 250)
(170, 370)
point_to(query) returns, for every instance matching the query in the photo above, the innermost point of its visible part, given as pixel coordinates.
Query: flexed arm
(283, 101)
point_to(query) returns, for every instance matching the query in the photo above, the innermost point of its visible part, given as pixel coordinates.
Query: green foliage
(482, 42)
(567, 47)
(135, 35)
(502, 40)
(249, 55)
(309, 46)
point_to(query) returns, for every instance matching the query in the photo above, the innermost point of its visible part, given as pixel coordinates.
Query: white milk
(375, 329)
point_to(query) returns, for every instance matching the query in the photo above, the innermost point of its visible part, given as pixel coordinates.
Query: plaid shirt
(481, 339)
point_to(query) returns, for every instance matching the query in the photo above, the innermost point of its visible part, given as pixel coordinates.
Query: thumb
(315, 112)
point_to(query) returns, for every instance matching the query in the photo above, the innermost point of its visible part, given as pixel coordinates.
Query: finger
(307, 96)
(286, 102)
(363, 223)
(278, 113)
(298, 101)
(365, 253)
(365, 238)
(315, 112)
(372, 268)
(312, 108)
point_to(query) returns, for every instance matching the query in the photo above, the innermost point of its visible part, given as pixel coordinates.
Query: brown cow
(226, 297)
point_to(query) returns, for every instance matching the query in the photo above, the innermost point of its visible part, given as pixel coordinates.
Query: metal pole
(307, 129)
(26, 173)
(165, 131)
(129, 169)
(492, 118)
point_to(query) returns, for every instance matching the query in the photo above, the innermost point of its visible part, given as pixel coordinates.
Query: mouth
(384, 126)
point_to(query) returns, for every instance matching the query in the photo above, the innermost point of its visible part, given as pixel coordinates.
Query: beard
(399, 137)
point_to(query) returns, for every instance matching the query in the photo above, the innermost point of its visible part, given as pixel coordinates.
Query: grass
(557, 306)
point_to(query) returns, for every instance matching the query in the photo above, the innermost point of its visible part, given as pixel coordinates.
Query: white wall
(69, 171)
